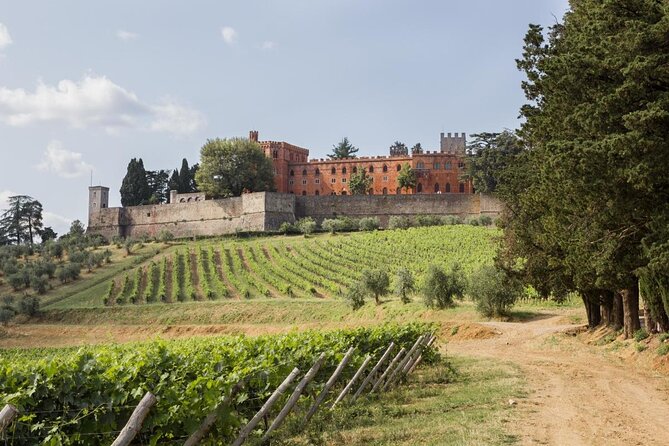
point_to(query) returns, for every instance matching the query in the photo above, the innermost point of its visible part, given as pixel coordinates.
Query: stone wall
(265, 211)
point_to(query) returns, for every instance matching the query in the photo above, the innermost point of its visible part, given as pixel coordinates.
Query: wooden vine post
(7, 415)
(407, 358)
(328, 385)
(311, 374)
(387, 371)
(134, 424)
(348, 387)
(420, 357)
(373, 372)
(266, 407)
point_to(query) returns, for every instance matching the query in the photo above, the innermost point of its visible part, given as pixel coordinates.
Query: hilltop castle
(305, 188)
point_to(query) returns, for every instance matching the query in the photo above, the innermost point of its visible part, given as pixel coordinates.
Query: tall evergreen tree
(157, 181)
(174, 181)
(344, 149)
(22, 220)
(135, 188)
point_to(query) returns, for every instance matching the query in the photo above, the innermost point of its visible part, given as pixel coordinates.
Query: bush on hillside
(332, 225)
(355, 295)
(306, 225)
(493, 291)
(441, 288)
(288, 228)
(29, 306)
(39, 283)
(404, 285)
(369, 224)
(376, 282)
(396, 222)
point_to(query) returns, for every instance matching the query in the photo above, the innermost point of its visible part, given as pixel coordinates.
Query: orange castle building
(438, 171)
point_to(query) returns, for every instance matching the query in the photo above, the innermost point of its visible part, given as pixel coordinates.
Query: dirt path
(577, 395)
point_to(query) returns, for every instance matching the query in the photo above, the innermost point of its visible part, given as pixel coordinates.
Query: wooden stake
(311, 374)
(385, 373)
(348, 387)
(134, 424)
(419, 352)
(210, 420)
(266, 407)
(373, 372)
(420, 357)
(7, 415)
(328, 385)
(408, 357)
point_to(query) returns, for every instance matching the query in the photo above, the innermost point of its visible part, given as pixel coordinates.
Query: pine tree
(344, 149)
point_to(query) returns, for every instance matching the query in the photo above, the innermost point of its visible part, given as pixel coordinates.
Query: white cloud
(5, 38)
(229, 35)
(268, 45)
(63, 162)
(171, 117)
(4, 198)
(126, 36)
(59, 223)
(93, 101)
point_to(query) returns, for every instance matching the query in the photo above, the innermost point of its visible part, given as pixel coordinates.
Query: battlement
(453, 143)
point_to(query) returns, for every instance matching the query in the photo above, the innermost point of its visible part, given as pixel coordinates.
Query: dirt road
(577, 394)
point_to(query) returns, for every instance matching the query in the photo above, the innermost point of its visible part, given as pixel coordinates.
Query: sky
(86, 86)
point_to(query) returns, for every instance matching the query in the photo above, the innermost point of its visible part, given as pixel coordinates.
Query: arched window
(291, 156)
(419, 188)
(448, 187)
(343, 192)
(420, 165)
(462, 188)
(398, 191)
(355, 169)
(292, 173)
(399, 167)
(385, 168)
(318, 172)
(436, 187)
(318, 193)
(447, 166)
(304, 192)
(333, 193)
(275, 154)
(333, 171)
(304, 172)
(371, 169)
(385, 191)
(343, 170)
(461, 165)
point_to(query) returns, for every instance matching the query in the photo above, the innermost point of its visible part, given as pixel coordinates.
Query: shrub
(39, 284)
(332, 225)
(355, 295)
(493, 292)
(485, 220)
(128, 245)
(287, 228)
(474, 221)
(16, 281)
(29, 306)
(640, 335)
(165, 236)
(404, 285)
(428, 220)
(306, 225)
(440, 288)
(663, 349)
(399, 222)
(6, 315)
(369, 224)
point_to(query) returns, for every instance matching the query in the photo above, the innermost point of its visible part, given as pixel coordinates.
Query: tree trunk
(630, 298)
(606, 301)
(649, 322)
(618, 313)
(591, 301)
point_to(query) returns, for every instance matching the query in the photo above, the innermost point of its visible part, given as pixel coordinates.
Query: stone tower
(453, 144)
(98, 198)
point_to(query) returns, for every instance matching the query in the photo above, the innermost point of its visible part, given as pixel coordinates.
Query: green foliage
(288, 228)
(190, 378)
(407, 178)
(440, 288)
(344, 149)
(135, 186)
(332, 225)
(369, 223)
(39, 283)
(359, 182)
(489, 155)
(306, 225)
(493, 291)
(165, 236)
(399, 149)
(663, 349)
(230, 167)
(355, 295)
(640, 335)
(29, 305)
(22, 221)
(395, 222)
(404, 285)
(376, 282)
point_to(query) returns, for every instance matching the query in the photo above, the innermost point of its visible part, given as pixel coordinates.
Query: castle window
(148, 214)
(436, 187)
(333, 180)
(399, 167)
(304, 172)
(398, 191)
(420, 165)
(318, 193)
(385, 168)
(318, 171)
(343, 180)
(437, 166)
(304, 182)
(419, 188)
(95, 204)
(462, 188)
(448, 187)
(385, 178)
(333, 171)
(461, 165)
(343, 192)
(292, 173)
(317, 181)
(275, 154)
(385, 191)
(333, 193)
(292, 192)
(95, 194)
(355, 169)
(447, 166)
(343, 170)
(304, 192)
(371, 169)
(104, 205)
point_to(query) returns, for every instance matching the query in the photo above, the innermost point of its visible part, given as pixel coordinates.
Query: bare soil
(578, 394)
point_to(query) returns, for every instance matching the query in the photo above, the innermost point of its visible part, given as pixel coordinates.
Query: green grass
(461, 403)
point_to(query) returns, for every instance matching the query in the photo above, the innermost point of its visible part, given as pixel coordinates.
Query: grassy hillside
(321, 266)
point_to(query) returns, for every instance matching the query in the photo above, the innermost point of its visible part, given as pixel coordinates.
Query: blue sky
(88, 85)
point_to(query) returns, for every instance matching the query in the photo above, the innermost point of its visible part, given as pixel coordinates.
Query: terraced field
(322, 266)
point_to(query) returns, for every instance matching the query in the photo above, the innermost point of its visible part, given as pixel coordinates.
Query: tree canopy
(344, 149)
(22, 221)
(229, 167)
(488, 156)
(407, 178)
(360, 182)
(135, 188)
